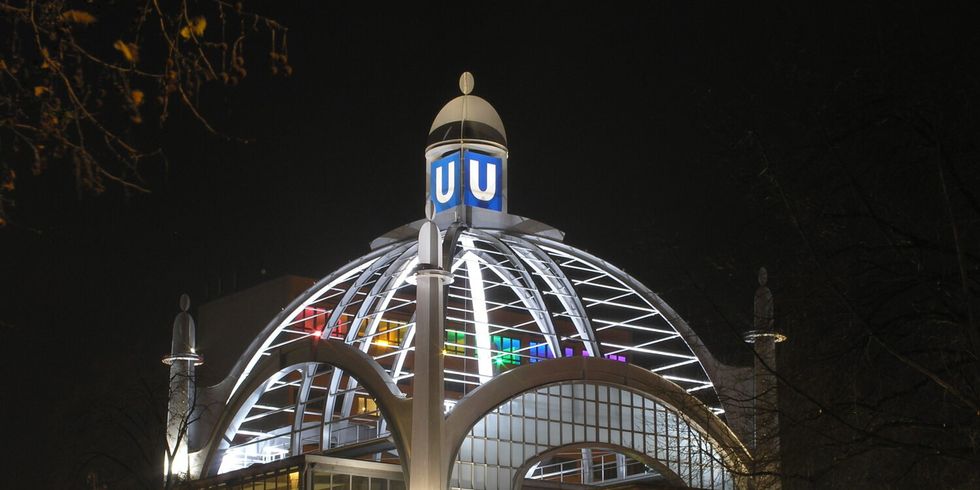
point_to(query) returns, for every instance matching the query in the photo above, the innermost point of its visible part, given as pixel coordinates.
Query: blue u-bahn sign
(484, 178)
(477, 182)
(443, 182)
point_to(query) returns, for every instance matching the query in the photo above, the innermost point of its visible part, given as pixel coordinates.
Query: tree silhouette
(870, 224)
(89, 88)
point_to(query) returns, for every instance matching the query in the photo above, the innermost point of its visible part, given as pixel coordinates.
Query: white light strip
(255, 417)
(641, 317)
(699, 388)
(495, 325)
(686, 380)
(645, 344)
(651, 351)
(672, 366)
(621, 305)
(281, 384)
(634, 327)
(395, 352)
(591, 283)
(253, 433)
(516, 304)
(267, 407)
(607, 301)
(499, 306)
(480, 318)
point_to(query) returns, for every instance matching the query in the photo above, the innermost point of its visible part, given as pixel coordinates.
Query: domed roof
(467, 117)
(516, 300)
(549, 299)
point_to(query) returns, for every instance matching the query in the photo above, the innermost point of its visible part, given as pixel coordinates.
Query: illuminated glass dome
(552, 299)
(333, 372)
(516, 299)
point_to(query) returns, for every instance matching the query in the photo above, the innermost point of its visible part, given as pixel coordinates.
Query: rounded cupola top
(467, 117)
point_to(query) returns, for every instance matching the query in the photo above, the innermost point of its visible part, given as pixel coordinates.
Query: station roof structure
(331, 373)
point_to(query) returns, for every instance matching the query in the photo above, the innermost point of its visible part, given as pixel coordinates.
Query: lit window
(313, 319)
(569, 352)
(539, 352)
(364, 404)
(389, 333)
(506, 344)
(343, 325)
(455, 342)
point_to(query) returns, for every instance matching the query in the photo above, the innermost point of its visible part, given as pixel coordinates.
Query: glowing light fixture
(481, 320)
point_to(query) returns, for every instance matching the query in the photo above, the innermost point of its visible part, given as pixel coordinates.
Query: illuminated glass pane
(506, 344)
(455, 342)
(539, 352)
(389, 334)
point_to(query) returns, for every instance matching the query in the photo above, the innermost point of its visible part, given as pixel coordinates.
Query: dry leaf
(137, 96)
(78, 17)
(40, 90)
(129, 50)
(8, 183)
(44, 56)
(197, 26)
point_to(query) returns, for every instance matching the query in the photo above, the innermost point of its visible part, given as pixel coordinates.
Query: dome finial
(467, 117)
(466, 83)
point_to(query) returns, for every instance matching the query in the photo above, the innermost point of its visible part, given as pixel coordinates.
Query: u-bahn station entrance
(472, 349)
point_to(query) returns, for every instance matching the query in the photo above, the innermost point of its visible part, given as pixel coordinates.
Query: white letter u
(441, 197)
(483, 194)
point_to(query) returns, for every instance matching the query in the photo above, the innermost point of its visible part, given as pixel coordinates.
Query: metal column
(428, 468)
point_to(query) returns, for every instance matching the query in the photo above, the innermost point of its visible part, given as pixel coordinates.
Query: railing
(265, 447)
(357, 428)
(605, 470)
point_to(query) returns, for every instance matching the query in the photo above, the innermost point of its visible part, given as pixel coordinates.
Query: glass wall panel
(555, 416)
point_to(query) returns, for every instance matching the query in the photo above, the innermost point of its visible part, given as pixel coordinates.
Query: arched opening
(300, 410)
(503, 428)
(592, 464)
(295, 404)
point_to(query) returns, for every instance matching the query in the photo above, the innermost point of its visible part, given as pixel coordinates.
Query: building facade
(556, 367)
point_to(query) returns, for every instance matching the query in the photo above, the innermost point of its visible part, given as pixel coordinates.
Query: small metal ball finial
(430, 210)
(185, 302)
(466, 83)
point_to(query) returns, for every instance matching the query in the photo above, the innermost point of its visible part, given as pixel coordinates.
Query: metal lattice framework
(516, 300)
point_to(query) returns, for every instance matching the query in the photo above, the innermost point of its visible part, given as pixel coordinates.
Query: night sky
(642, 133)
